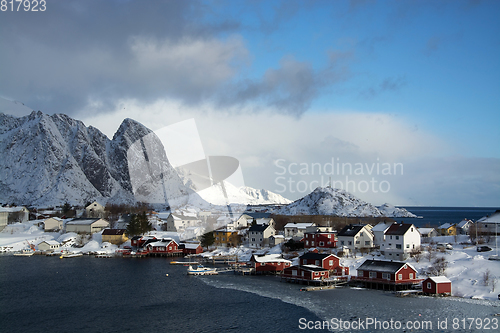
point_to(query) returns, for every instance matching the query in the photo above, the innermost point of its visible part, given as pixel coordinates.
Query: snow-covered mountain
(337, 202)
(49, 160)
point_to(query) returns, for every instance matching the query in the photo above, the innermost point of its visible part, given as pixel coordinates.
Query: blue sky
(414, 82)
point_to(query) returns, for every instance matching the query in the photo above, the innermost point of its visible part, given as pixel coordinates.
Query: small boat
(201, 270)
(25, 253)
(184, 263)
(70, 255)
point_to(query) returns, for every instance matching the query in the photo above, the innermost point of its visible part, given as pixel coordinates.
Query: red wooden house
(164, 247)
(321, 239)
(271, 263)
(191, 248)
(305, 273)
(436, 285)
(142, 241)
(324, 260)
(381, 274)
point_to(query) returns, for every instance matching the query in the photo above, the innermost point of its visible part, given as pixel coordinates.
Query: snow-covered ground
(467, 269)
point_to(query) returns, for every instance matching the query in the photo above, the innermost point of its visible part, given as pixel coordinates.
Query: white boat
(25, 253)
(70, 255)
(201, 270)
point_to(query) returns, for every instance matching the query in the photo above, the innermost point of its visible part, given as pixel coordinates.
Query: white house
(179, 223)
(464, 226)
(297, 229)
(427, 233)
(400, 240)
(86, 226)
(258, 235)
(242, 222)
(94, 210)
(50, 245)
(355, 236)
(489, 224)
(16, 214)
(265, 220)
(53, 223)
(379, 233)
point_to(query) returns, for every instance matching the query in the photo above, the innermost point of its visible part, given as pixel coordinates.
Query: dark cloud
(77, 52)
(292, 86)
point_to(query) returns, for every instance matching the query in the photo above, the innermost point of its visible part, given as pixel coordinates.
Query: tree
(207, 239)
(138, 225)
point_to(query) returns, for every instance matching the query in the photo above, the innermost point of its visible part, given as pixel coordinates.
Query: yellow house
(226, 237)
(447, 229)
(114, 236)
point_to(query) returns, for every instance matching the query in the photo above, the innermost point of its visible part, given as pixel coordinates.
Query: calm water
(435, 216)
(86, 294)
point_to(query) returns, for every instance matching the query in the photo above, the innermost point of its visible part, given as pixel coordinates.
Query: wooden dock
(404, 293)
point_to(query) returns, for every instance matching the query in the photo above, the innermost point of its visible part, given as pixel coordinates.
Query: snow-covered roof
(382, 226)
(439, 279)
(313, 268)
(270, 258)
(445, 226)
(191, 245)
(50, 242)
(299, 225)
(13, 209)
(463, 223)
(425, 231)
(83, 221)
(493, 218)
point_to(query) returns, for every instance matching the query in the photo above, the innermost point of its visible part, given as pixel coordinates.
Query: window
(307, 243)
(321, 244)
(360, 273)
(411, 275)
(373, 275)
(316, 262)
(429, 285)
(330, 262)
(357, 242)
(391, 237)
(341, 242)
(349, 243)
(367, 243)
(400, 276)
(361, 234)
(312, 243)
(407, 246)
(398, 246)
(386, 276)
(304, 262)
(329, 236)
(397, 237)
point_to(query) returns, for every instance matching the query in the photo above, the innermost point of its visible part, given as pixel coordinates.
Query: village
(449, 260)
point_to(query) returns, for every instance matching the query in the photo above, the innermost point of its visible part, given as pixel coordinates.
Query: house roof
(298, 225)
(398, 229)
(191, 245)
(259, 227)
(382, 226)
(313, 268)
(425, 231)
(493, 218)
(113, 232)
(351, 230)
(84, 221)
(161, 242)
(439, 279)
(383, 266)
(183, 217)
(445, 226)
(269, 258)
(50, 242)
(316, 256)
(463, 223)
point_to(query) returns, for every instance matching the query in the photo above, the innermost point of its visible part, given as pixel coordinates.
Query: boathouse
(305, 273)
(386, 275)
(324, 260)
(270, 264)
(164, 247)
(436, 285)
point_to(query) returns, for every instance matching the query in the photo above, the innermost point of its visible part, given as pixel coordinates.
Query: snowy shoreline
(473, 276)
